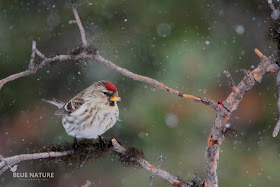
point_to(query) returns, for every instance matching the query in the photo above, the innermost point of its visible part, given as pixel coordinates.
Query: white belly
(89, 124)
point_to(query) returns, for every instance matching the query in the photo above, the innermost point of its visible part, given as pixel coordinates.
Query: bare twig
(10, 161)
(31, 64)
(34, 68)
(141, 78)
(230, 79)
(260, 54)
(271, 5)
(145, 164)
(79, 23)
(277, 127)
(41, 55)
(151, 180)
(267, 65)
(275, 13)
(87, 184)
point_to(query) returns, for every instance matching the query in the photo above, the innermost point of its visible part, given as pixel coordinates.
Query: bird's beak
(115, 98)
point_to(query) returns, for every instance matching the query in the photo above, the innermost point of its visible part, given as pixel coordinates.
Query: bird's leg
(75, 143)
(101, 143)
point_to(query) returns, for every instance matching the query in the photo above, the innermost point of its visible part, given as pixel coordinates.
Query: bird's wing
(75, 103)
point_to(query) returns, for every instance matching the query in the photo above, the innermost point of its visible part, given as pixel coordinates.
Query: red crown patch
(110, 87)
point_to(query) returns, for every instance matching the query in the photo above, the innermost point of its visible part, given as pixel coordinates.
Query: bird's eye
(106, 93)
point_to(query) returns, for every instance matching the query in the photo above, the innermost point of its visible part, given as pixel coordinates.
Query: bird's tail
(55, 102)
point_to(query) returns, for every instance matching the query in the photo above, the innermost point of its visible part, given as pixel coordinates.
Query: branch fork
(223, 109)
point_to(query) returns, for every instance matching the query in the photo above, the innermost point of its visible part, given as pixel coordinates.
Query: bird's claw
(101, 143)
(75, 143)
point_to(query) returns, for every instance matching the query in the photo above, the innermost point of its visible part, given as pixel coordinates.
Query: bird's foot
(75, 143)
(101, 143)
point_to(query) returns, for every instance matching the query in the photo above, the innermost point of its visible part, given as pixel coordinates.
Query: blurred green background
(185, 44)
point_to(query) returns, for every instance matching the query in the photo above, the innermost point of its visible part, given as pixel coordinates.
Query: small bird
(90, 113)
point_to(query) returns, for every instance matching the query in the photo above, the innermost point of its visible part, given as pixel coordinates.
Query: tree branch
(59, 58)
(148, 80)
(87, 184)
(33, 68)
(31, 63)
(271, 5)
(79, 23)
(10, 161)
(116, 147)
(94, 55)
(145, 164)
(151, 180)
(275, 14)
(277, 127)
(267, 65)
(230, 79)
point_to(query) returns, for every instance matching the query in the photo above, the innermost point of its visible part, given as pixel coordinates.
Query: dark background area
(185, 44)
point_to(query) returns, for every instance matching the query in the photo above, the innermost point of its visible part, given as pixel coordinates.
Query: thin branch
(275, 13)
(31, 64)
(230, 79)
(141, 78)
(267, 65)
(34, 68)
(260, 54)
(87, 184)
(14, 77)
(271, 5)
(41, 55)
(145, 164)
(10, 161)
(151, 180)
(27, 72)
(277, 127)
(79, 23)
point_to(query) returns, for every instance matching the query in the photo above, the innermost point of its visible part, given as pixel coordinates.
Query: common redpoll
(90, 113)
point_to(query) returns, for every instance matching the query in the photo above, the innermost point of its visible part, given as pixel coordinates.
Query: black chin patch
(112, 103)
